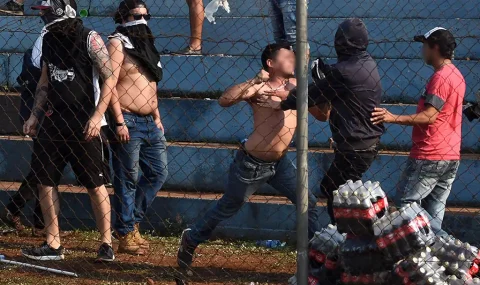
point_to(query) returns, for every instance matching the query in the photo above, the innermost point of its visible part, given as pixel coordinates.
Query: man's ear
(269, 63)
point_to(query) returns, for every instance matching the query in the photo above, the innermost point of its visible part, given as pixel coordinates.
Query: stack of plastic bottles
(459, 259)
(403, 232)
(357, 206)
(323, 256)
(419, 268)
(369, 245)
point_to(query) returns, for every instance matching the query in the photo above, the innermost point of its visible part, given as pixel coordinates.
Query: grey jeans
(428, 182)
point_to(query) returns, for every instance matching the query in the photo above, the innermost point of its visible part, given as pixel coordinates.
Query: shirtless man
(261, 159)
(137, 69)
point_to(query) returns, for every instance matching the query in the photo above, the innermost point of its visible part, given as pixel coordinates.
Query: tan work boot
(143, 243)
(128, 244)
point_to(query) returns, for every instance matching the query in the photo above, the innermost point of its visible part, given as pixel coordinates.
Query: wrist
(120, 124)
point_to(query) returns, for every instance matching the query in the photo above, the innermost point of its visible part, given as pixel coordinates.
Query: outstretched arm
(426, 117)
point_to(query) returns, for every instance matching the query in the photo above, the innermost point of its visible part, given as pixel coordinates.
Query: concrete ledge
(264, 217)
(199, 167)
(195, 120)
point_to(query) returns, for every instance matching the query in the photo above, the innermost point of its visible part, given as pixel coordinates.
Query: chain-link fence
(80, 194)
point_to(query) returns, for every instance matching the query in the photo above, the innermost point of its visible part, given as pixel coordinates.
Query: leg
(276, 16)
(246, 175)
(50, 204)
(245, 178)
(38, 222)
(125, 166)
(285, 182)
(153, 162)
(347, 165)
(87, 163)
(47, 171)
(196, 11)
(102, 211)
(289, 10)
(435, 203)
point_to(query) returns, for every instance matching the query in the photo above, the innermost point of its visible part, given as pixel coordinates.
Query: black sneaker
(11, 8)
(105, 253)
(185, 251)
(44, 252)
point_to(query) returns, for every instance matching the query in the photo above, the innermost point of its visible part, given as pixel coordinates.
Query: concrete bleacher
(204, 136)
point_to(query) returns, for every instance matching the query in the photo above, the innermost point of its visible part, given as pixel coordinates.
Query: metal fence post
(302, 143)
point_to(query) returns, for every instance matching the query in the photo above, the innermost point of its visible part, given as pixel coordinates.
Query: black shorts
(53, 152)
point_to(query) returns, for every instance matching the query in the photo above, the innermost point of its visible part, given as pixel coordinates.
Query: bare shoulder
(115, 44)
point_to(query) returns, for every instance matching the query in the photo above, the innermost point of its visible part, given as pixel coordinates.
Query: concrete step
(444, 9)
(262, 217)
(196, 120)
(389, 38)
(198, 167)
(403, 80)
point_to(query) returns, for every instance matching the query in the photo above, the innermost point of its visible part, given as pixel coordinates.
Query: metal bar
(67, 273)
(302, 143)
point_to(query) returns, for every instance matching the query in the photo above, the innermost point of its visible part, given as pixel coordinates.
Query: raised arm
(38, 111)
(240, 92)
(101, 60)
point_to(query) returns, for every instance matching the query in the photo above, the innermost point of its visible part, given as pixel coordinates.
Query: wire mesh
(189, 166)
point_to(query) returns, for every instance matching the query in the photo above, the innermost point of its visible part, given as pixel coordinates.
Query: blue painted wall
(402, 79)
(203, 167)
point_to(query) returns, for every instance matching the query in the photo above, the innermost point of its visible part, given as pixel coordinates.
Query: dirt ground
(218, 262)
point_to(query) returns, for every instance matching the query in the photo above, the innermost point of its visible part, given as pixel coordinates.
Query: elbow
(224, 103)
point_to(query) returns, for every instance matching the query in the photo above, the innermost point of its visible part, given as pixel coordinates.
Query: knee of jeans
(231, 202)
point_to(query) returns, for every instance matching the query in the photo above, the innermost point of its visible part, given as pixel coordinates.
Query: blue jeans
(247, 174)
(146, 150)
(428, 182)
(284, 21)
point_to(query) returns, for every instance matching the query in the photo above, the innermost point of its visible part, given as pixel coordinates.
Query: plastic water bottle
(270, 243)
(212, 8)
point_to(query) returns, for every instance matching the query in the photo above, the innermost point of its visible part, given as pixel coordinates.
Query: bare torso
(273, 130)
(136, 93)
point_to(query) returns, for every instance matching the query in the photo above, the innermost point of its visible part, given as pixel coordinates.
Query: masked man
(73, 60)
(137, 69)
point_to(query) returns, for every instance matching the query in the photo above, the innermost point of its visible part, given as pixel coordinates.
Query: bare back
(273, 130)
(136, 93)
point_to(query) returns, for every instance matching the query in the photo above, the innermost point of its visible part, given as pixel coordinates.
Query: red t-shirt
(441, 140)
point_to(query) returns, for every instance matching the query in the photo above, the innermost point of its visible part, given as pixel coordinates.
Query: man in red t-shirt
(437, 130)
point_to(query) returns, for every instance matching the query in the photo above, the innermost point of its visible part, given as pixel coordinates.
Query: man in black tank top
(74, 58)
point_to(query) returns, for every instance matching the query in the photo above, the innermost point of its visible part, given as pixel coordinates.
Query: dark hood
(351, 38)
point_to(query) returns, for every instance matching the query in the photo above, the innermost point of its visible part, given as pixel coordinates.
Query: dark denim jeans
(146, 151)
(247, 174)
(428, 182)
(284, 21)
(347, 165)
